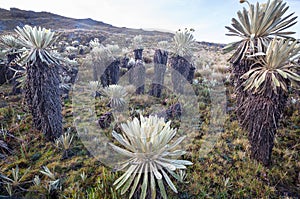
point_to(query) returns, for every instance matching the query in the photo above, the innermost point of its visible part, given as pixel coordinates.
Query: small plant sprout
(48, 173)
(54, 183)
(3, 132)
(36, 180)
(151, 155)
(83, 176)
(65, 141)
(181, 176)
(16, 179)
(15, 182)
(116, 95)
(227, 182)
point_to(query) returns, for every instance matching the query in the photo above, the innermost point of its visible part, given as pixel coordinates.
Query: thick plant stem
(258, 114)
(160, 62)
(43, 99)
(111, 74)
(138, 72)
(182, 71)
(260, 117)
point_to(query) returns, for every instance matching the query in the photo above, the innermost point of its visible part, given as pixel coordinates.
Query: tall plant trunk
(138, 54)
(257, 114)
(43, 99)
(6, 74)
(160, 61)
(95, 72)
(239, 69)
(111, 74)
(138, 72)
(114, 71)
(260, 117)
(104, 78)
(3, 72)
(182, 71)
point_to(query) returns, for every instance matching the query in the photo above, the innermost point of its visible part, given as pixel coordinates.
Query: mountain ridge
(10, 19)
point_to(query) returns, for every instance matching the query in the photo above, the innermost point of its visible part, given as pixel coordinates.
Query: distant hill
(80, 29)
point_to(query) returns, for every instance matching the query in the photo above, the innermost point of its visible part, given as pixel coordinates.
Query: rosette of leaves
(274, 69)
(38, 41)
(94, 43)
(137, 42)
(94, 86)
(257, 26)
(116, 95)
(10, 44)
(152, 156)
(10, 55)
(184, 42)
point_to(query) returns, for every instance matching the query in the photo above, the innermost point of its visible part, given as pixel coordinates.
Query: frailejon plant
(116, 95)
(98, 58)
(257, 27)
(270, 79)
(42, 80)
(64, 141)
(183, 70)
(112, 71)
(11, 45)
(137, 69)
(151, 156)
(104, 62)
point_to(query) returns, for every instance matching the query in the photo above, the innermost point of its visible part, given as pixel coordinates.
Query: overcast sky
(207, 17)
